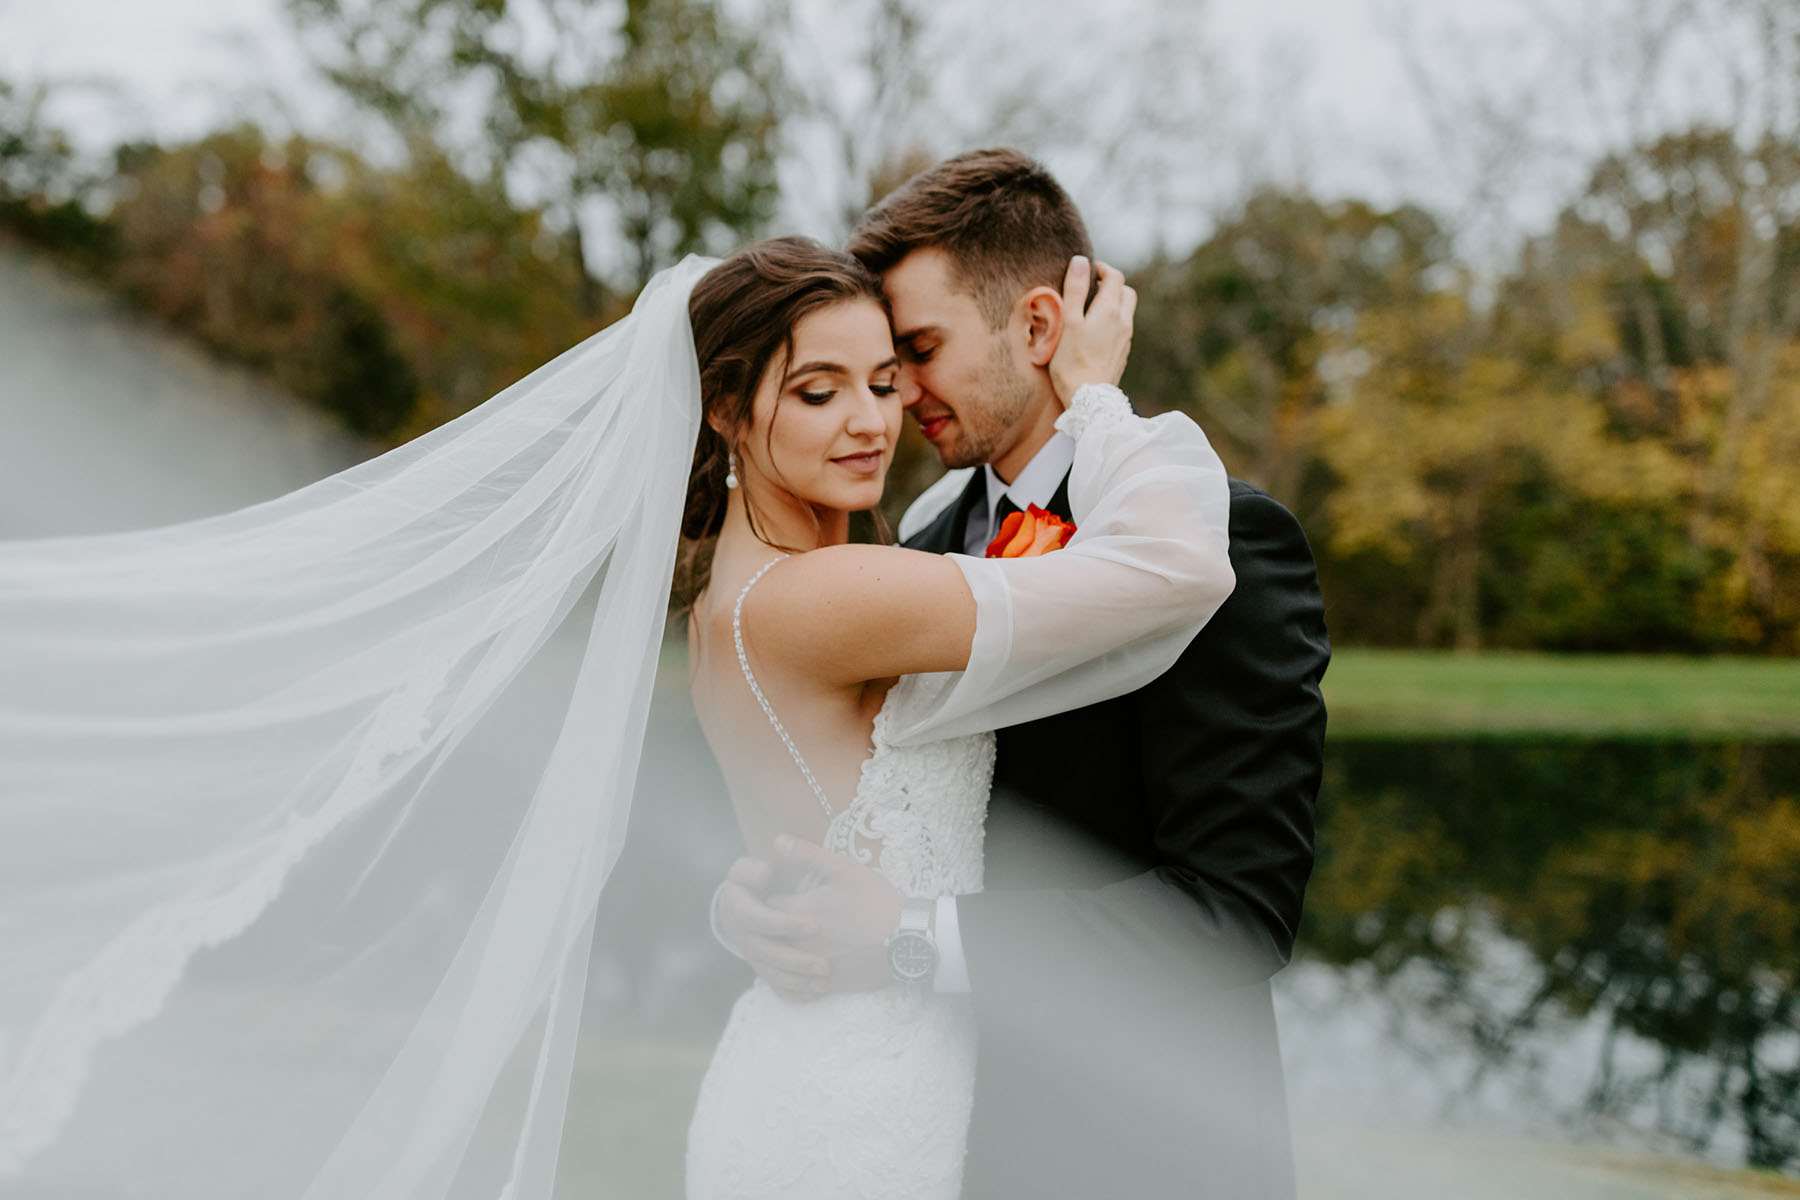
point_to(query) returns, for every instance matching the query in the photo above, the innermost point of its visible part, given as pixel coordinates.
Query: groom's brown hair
(1004, 223)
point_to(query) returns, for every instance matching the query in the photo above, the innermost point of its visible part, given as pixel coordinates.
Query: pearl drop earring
(731, 479)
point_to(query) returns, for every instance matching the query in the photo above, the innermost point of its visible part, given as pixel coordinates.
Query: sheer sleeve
(1146, 569)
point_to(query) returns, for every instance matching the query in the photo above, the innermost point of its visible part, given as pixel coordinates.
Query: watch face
(911, 955)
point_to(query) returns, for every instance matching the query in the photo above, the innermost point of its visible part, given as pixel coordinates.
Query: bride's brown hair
(744, 312)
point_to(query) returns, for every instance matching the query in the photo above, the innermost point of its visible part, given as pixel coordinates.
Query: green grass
(1400, 693)
(1426, 693)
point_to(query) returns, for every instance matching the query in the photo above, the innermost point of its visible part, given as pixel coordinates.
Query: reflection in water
(1630, 908)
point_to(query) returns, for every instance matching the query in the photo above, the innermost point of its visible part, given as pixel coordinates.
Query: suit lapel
(945, 534)
(1059, 502)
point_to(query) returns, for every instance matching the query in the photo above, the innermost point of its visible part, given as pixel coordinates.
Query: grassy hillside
(1373, 693)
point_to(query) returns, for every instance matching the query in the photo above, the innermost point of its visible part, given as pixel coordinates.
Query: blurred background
(1501, 298)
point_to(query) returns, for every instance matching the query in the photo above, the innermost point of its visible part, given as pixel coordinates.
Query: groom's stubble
(993, 420)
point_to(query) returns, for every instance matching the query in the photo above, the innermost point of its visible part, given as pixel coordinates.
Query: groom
(1146, 856)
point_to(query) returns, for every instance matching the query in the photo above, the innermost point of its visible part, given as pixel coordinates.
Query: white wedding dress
(868, 1094)
(857, 1094)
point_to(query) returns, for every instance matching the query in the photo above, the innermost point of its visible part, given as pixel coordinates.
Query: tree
(222, 239)
(394, 299)
(651, 120)
(43, 187)
(1685, 256)
(1242, 333)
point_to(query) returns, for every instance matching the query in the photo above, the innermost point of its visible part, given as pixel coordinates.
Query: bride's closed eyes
(883, 385)
(879, 389)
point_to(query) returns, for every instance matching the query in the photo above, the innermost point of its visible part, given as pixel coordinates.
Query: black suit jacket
(1146, 858)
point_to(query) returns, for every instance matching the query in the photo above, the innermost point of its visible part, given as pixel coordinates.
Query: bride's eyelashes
(817, 398)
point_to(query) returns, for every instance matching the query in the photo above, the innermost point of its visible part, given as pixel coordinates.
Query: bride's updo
(744, 312)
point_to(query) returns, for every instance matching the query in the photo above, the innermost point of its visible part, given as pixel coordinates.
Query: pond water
(1593, 937)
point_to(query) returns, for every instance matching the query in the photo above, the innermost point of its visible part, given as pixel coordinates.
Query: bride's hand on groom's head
(1096, 338)
(764, 936)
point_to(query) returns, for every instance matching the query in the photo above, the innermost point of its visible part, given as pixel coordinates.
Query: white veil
(288, 904)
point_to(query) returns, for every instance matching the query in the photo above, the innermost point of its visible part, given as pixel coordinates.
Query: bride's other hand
(764, 936)
(1096, 338)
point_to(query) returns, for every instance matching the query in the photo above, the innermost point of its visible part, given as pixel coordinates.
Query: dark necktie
(1002, 510)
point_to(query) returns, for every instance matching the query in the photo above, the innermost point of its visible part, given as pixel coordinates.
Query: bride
(272, 923)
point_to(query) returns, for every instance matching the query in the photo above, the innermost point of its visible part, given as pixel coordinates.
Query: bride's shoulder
(833, 576)
(851, 613)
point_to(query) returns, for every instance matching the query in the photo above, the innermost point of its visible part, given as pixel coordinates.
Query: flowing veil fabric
(294, 901)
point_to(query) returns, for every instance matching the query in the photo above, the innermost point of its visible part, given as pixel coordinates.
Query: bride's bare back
(830, 724)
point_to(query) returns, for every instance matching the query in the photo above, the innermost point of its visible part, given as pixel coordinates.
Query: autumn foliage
(1592, 448)
(1592, 452)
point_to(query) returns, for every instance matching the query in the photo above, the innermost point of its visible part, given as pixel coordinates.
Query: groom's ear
(1042, 310)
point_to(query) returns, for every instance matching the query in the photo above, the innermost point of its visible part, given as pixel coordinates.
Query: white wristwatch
(911, 950)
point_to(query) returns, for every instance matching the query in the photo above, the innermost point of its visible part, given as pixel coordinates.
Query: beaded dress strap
(737, 638)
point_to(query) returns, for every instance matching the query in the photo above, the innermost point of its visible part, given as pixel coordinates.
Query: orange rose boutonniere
(1029, 534)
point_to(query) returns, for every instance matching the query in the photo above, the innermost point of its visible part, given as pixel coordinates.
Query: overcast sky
(1310, 90)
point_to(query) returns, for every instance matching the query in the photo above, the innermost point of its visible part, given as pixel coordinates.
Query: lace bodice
(918, 811)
